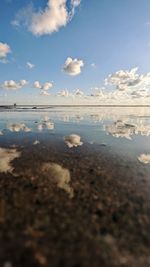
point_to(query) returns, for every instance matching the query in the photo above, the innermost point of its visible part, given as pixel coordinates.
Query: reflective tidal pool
(75, 187)
(124, 131)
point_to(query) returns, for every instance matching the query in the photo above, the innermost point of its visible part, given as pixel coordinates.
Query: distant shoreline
(63, 106)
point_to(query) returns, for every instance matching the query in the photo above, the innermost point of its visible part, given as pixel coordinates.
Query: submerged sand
(83, 206)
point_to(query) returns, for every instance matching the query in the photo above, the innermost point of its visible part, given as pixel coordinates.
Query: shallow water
(123, 130)
(75, 187)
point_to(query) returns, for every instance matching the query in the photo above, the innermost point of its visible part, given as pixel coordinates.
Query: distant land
(14, 107)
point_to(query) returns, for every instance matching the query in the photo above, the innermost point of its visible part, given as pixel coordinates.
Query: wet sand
(100, 217)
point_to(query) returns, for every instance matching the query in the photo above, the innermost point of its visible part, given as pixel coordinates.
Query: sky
(75, 52)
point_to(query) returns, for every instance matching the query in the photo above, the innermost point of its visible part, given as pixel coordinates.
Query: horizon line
(46, 105)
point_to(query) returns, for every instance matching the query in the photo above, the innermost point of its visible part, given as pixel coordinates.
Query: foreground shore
(99, 216)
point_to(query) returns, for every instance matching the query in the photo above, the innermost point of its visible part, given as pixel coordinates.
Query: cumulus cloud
(37, 85)
(73, 140)
(44, 93)
(127, 87)
(73, 66)
(49, 20)
(121, 88)
(4, 50)
(128, 79)
(6, 158)
(13, 85)
(144, 158)
(30, 65)
(46, 86)
(58, 175)
(66, 93)
(18, 127)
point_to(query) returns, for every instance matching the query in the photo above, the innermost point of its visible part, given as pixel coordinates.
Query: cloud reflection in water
(58, 175)
(6, 157)
(73, 140)
(144, 158)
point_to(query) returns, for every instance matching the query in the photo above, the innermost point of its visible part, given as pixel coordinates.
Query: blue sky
(112, 34)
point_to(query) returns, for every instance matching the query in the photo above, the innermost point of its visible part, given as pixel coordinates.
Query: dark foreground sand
(100, 219)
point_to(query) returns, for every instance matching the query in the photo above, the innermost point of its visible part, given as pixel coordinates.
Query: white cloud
(37, 85)
(78, 92)
(75, 3)
(98, 92)
(67, 94)
(64, 93)
(58, 175)
(144, 158)
(6, 157)
(46, 86)
(121, 88)
(18, 127)
(30, 65)
(123, 79)
(73, 140)
(23, 83)
(73, 66)
(4, 50)
(44, 93)
(48, 20)
(51, 19)
(128, 79)
(13, 85)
